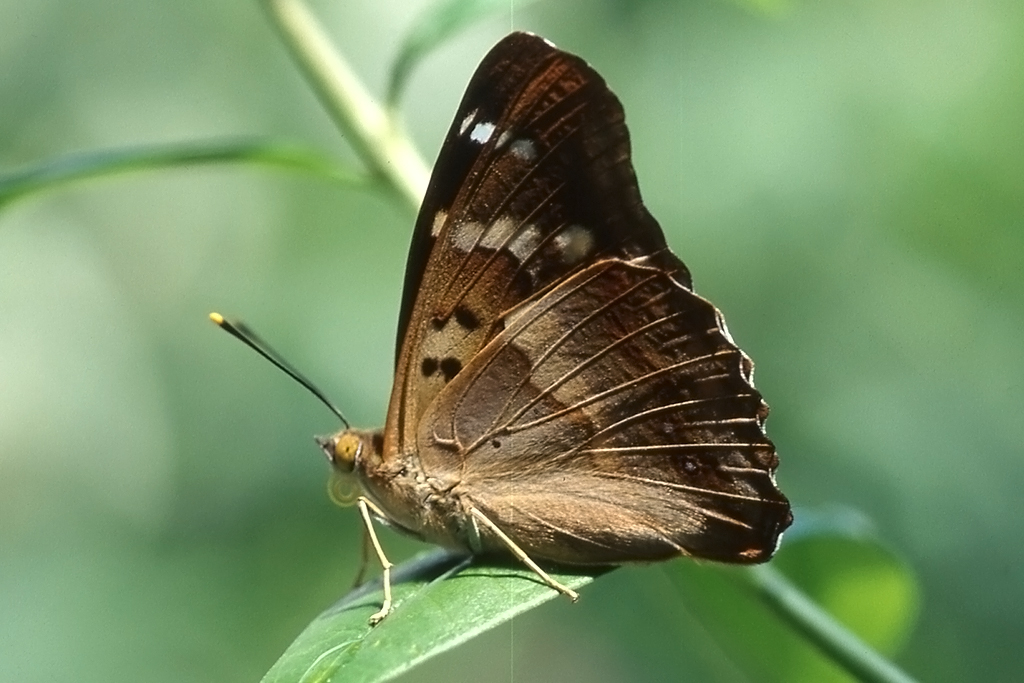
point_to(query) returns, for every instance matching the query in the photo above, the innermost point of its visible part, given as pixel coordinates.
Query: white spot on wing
(465, 236)
(498, 233)
(574, 244)
(504, 233)
(525, 243)
(503, 139)
(464, 126)
(439, 218)
(524, 149)
(482, 132)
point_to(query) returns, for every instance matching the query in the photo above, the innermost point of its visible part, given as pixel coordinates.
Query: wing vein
(648, 413)
(623, 386)
(561, 341)
(688, 489)
(563, 530)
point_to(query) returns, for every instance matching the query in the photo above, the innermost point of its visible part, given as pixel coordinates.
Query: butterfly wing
(533, 183)
(614, 419)
(552, 351)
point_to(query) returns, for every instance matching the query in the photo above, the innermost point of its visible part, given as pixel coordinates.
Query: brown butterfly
(561, 393)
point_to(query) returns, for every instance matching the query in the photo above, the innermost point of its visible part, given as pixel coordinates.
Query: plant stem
(375, 133)
(820, 628)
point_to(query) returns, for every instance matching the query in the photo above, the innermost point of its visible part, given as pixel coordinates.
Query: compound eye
(347, 448)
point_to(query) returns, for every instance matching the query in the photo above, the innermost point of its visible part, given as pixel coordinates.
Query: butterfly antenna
(241, 331)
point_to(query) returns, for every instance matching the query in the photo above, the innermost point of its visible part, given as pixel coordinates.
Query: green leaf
(443, 600)
(54, 173)
(440, 600)
(441, 21)
(776, 634)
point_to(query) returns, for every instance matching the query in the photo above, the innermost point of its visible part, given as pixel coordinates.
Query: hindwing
(613, 419)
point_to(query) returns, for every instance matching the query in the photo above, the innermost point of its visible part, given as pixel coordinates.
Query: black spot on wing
(450, 367)
(466, 318)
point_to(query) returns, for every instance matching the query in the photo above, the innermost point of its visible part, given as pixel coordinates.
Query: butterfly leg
(364, 559)
(523, 557)
(365, 505)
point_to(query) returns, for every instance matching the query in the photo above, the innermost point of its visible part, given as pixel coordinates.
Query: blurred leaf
(440, 601)
(770, 7)
(857, 581)
(56, 172)
(441, 21)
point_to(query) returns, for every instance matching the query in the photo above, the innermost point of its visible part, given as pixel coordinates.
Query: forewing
(533, 182)
(614, 419)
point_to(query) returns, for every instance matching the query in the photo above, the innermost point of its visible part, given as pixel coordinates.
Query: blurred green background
(845, 180)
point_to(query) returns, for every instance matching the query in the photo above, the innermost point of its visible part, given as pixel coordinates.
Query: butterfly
(561, 394)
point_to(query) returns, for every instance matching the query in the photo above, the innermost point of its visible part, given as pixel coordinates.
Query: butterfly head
(349, 451)
(342, 449)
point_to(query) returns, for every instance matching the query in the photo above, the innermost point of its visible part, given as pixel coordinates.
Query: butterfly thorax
(420, 505)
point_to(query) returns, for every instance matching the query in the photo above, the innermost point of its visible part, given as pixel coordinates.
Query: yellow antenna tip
(217, 318)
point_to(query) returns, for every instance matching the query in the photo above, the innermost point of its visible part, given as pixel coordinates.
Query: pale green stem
(376, 134)
(380, 140)
(820, 628)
